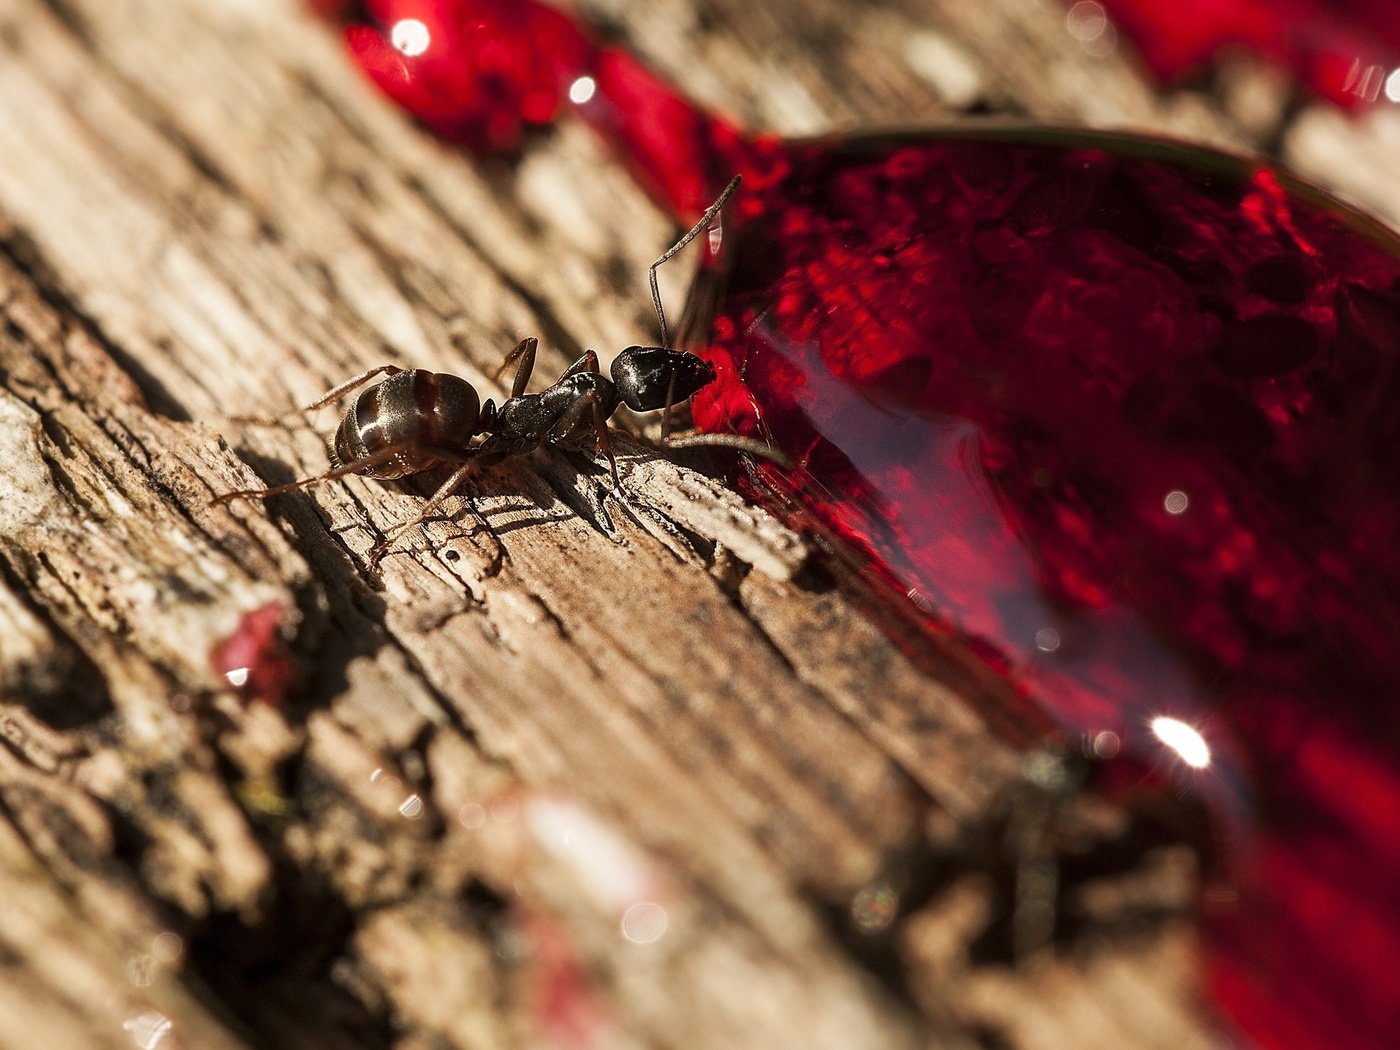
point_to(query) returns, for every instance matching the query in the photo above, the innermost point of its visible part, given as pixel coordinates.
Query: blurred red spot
(253, 659)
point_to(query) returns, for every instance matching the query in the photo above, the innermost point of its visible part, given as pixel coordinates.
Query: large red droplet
(1114, 416)
(1122, 414)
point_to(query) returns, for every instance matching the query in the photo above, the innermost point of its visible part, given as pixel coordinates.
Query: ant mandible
(415, 420)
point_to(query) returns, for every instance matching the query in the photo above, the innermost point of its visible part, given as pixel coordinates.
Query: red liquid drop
(1342, 49)
(1125, 416)
(1120, 416)
(253, 659)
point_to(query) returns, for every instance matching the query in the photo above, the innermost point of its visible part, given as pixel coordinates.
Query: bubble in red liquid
(253, 659)
(1345, 50)
(1116, 418)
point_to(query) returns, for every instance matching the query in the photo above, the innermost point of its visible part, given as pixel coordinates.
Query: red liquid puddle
(1130, 424)
(1120, 416)
(1342, 49)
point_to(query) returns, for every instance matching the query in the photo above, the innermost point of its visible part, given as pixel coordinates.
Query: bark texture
(572, 771)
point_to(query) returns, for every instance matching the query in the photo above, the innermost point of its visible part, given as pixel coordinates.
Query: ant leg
(587, 363)
(355, 466)
(331, 395)
(350, 384)
(705, 221)
(573, 418)
(524, 352)
(600, 429)
(666, 412)
(446, 489)
(735, 441)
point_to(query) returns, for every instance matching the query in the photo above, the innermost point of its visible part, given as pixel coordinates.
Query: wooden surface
(573, 771)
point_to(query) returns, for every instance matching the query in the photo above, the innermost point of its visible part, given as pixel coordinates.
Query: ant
(414, 420)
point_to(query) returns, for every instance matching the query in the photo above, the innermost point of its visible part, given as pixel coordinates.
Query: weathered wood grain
(575, 770)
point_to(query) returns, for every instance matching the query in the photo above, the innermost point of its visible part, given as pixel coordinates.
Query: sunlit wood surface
(572, 772)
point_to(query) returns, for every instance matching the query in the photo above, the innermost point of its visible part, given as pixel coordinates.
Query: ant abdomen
(430, 416)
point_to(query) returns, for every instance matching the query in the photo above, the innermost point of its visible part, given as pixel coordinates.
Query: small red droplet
(254, 659)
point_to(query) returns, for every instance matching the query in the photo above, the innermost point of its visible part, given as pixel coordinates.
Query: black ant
(415, 419)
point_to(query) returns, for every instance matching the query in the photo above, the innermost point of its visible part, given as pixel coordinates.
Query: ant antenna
(734, 441)
(705, 222)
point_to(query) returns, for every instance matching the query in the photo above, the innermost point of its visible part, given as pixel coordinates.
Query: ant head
(645, 374)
